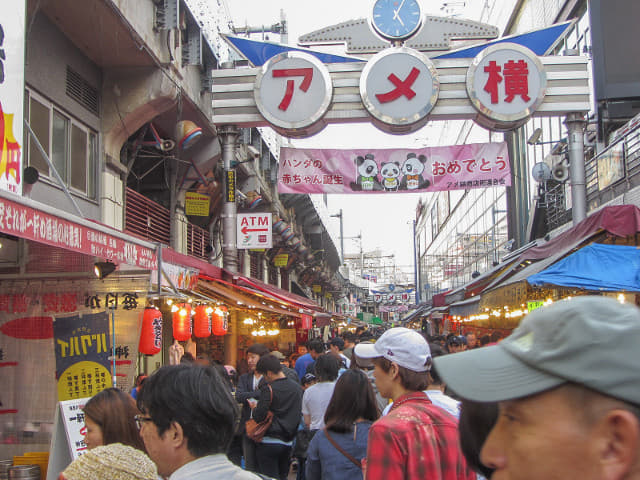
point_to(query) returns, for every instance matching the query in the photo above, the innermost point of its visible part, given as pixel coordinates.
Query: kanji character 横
(516, 80)
(403, 87)
(491, 87)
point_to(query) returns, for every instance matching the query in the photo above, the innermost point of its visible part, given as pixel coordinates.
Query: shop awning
(597, 267)
(237, 296)
(466, 307)
(276, 292)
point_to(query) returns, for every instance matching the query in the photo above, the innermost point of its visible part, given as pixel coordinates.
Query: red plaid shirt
(415, 440)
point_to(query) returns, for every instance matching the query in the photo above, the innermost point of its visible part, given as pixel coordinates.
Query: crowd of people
(558, 398)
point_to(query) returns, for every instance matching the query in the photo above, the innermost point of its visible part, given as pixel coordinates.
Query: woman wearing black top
(272, 454)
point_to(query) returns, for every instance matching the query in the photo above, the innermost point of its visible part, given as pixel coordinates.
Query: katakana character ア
(306, 73)
(491, 87)
(516, 80)
(403, 87)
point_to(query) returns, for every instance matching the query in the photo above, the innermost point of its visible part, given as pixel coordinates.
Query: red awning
(276, 292)
(204, 267)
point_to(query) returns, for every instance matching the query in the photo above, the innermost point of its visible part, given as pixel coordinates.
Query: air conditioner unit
(560, 170)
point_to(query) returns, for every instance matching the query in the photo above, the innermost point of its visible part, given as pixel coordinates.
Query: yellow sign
(281, 260)
(532, 305)
(317, 288)
(196, 204)
(83, 379)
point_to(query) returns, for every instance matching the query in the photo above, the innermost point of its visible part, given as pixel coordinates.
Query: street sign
(196, 204)
(253, 230)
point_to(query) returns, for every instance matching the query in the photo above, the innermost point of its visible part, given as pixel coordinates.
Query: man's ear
(175, 435)
(617, 439)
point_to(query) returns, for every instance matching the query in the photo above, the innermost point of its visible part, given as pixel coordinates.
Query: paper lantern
(151, 333)
(219, 323)
(202, 321)
(182, 323)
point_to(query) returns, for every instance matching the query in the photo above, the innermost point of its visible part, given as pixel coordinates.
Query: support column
(228, 135)
(575, 126)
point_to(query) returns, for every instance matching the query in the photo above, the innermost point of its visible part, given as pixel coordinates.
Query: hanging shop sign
(196, 204)
(281, 260)
(431, 169)
(82, 348)
(184, 278)
(12, 41)
(533, 304)
(230, 186)
(399, 87)
(293, 92)
(253, 230)
(506, 83)
(33, 224)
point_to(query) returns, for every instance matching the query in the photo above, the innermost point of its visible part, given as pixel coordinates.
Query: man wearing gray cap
(416, 439)
(568, 385)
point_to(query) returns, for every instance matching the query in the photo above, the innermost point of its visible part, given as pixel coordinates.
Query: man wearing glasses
(188, 420)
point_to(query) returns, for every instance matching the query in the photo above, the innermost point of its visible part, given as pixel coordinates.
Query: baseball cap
(308, 378)
(587, 340)
(279, 355)
(401, 345)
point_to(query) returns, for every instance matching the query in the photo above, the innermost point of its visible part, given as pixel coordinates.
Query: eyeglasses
(140, 419)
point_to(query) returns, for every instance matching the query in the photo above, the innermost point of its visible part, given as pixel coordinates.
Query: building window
(273, 275)
(70, 145)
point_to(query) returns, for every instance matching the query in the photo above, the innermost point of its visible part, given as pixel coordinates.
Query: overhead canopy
(275, 292)
(595, 267)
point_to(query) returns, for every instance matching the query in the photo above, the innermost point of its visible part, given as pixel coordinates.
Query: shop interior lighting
(103, 269)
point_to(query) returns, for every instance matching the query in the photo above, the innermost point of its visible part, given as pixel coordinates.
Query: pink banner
(457, 167)
(26, 222)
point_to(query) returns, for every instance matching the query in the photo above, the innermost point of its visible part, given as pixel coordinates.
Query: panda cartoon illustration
(390, 172)
(412, 169)
(367, 179)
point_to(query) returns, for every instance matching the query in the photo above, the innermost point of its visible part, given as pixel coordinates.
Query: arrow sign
(253, 230)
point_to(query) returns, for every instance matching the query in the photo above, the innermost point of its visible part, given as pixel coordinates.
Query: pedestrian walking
(416, 439)
(336, 452)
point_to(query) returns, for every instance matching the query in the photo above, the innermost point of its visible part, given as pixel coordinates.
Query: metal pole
(228, 135)
(113, 343)
(416, 263)
(341, 240)
(575, 125)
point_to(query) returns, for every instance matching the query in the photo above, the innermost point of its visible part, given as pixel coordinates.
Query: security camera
(253, 151)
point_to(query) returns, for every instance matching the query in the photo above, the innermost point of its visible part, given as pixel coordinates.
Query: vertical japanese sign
(82, 348)
(293, 92)
(12, 41)
(73, 419)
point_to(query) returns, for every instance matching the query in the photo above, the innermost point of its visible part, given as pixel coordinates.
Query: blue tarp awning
(595, 267)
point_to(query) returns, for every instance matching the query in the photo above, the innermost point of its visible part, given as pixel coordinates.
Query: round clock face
(396, 19)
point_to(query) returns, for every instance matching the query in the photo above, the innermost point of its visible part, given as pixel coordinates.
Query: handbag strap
(341, 450)
(270, 394)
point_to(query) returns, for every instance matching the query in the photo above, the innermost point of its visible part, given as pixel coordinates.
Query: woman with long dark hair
(336, 451)
(109, 417)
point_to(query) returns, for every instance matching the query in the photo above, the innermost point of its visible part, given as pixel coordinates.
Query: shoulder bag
(255, 431)
(357, 463)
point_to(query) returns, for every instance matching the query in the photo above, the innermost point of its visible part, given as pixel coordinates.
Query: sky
(384, 220)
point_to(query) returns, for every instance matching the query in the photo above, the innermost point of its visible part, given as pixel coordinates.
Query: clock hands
(396, 15)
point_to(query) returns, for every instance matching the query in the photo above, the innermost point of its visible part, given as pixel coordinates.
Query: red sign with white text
(31, 224)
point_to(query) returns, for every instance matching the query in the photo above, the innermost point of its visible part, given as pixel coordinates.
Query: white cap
(400, 345)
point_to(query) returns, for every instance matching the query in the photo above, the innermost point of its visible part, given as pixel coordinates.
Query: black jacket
(244, 391)
(286, 407)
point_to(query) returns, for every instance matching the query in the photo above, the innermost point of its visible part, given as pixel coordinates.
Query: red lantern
(202, 321)
(182, 323)
(219, 322)
(151, 333)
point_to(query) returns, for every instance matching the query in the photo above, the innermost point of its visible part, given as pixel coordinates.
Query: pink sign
(457, 167)
(31, 224)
